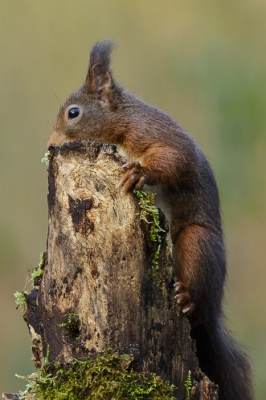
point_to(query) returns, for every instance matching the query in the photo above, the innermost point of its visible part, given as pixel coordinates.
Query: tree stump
(97, 290)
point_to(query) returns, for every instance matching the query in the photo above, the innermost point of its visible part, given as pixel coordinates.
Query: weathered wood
(204, 389)
(98, 271)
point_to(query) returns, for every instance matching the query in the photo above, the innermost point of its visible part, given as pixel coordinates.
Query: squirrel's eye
(73, 112)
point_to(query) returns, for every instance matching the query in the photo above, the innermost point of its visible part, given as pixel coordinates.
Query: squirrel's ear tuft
(99, 78)
(101, 51)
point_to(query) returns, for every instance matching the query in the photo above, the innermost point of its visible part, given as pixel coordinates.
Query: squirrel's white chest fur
(128, 155)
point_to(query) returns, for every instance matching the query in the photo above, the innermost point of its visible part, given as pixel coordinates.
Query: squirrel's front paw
(135, 176)
(183, 297)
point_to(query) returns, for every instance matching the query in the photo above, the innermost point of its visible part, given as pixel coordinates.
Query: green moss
(73, 323)
(46, 158)
(38, 271)
(188, 385)
(150, 214)
(108, 376)
(47, 357)
(20, 297)
(20, 300)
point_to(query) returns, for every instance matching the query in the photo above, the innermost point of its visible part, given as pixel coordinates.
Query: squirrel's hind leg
(200, 267)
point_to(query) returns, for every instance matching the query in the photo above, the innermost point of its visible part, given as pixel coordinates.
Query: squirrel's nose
(55, 138)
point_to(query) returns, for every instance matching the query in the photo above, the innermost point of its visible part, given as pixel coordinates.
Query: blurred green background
(203, 62)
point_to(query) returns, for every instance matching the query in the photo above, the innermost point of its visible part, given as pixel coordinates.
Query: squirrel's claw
(183, 297)
(133, 177)
(142, 180)
(131, 165)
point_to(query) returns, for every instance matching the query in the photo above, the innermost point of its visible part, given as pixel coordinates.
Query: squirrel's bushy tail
(223, 362)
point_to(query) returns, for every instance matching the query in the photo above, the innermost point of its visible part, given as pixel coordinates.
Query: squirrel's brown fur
(162, 155)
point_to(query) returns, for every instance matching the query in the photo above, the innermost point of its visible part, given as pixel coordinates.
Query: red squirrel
(162, 155)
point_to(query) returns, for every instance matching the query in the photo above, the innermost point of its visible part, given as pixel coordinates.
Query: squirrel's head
(88, 111)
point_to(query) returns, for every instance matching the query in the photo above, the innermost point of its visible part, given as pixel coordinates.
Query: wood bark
(98, 269)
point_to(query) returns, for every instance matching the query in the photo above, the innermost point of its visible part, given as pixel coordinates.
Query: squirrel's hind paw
(183, 298)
